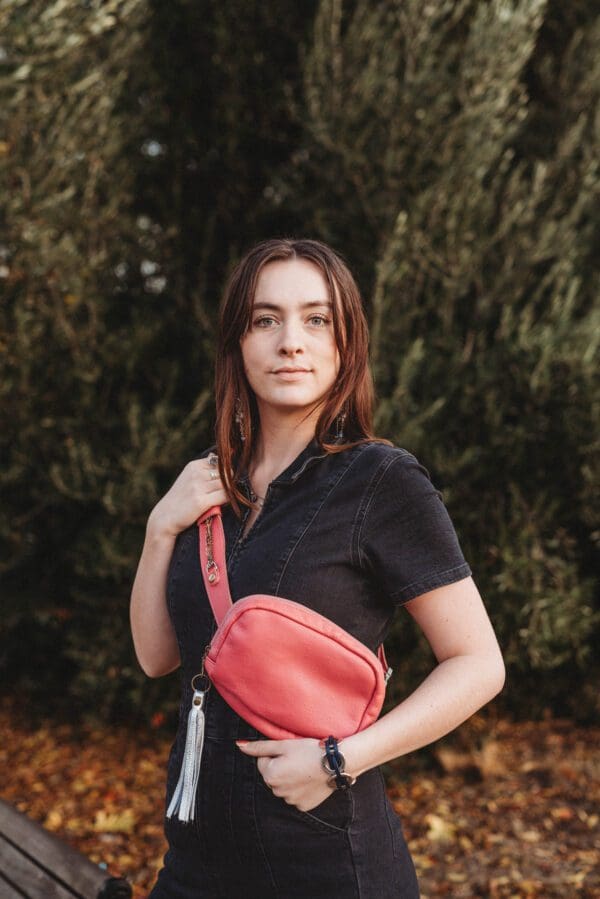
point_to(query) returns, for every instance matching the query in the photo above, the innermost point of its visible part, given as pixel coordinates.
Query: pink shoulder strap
(212, 561)
(214, 570)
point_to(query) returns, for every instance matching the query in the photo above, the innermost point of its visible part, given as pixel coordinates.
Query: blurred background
(448, 150)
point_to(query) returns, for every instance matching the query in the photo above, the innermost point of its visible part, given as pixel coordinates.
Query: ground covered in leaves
(500, 810)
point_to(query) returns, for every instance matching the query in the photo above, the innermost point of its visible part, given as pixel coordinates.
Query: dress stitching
(312, 518)
(258, 836)
(373, 487)
(430, 580)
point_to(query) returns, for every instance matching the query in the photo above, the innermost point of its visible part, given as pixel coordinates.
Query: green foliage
(449, 150)
(133, 152)
(485, 325)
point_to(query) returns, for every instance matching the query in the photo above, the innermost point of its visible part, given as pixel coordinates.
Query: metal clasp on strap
(387, 675)
(212, 569)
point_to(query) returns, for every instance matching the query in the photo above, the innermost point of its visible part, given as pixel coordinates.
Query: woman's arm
(153, 635)
(197, 488)
(469, 673)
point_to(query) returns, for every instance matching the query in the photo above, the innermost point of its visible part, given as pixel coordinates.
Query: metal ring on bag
(207, 687)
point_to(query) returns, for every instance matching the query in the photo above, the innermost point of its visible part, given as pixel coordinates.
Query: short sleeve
(407, 540)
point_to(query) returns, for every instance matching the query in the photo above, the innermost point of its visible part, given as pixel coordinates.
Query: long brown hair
(352, 392)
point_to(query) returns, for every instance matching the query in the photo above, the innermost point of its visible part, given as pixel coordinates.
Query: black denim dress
(352, 535)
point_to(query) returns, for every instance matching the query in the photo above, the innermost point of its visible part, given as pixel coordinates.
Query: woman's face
(289, 351)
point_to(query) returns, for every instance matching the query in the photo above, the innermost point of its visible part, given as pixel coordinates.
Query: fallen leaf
(114, 822)
(54, 820)
(562, 813)
(439, 830)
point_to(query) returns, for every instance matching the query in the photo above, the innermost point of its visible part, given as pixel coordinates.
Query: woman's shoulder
(376, 454)
(385, 450)
(384, 467)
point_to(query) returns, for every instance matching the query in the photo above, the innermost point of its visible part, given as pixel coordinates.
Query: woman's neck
(278, 443)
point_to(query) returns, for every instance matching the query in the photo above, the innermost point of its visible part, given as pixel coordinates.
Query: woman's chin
(286, 405)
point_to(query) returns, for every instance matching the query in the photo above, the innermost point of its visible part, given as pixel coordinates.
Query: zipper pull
(183, 802)
(201, 673)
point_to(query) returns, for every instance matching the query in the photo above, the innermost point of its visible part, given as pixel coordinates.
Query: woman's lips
(295, 375)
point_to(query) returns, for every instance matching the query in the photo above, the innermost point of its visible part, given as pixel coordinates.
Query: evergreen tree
(449, 150)
(138, 140)
(464, 140)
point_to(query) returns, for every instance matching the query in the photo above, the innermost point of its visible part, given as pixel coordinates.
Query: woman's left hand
(291, 769)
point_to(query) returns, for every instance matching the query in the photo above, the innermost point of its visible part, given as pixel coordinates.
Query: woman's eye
(268, 321)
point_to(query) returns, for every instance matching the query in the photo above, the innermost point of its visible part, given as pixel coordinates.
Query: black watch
(333, 762)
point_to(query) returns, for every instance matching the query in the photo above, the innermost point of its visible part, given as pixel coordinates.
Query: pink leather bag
(285, 669)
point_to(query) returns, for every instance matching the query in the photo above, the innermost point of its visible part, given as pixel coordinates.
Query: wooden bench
(37, 865)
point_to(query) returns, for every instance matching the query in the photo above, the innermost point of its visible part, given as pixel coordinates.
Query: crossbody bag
(287, 670)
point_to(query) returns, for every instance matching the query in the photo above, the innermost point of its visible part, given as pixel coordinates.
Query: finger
(269, 748)
(210, 485)
(262, 763)
(218, 497)
(211, 474)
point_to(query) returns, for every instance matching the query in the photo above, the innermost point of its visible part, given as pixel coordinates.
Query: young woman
(317, 510)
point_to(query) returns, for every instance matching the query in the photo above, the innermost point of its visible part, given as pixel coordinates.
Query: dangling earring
(339, 425)
(239, 418)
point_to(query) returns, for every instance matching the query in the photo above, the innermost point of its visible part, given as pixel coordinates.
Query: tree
(463, 142)
(449, 150)
(139, 140)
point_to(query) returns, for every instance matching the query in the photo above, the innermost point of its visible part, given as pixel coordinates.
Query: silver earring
(239, 419)
(339, 425)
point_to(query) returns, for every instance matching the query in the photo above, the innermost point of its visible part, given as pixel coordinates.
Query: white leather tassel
(183, 802)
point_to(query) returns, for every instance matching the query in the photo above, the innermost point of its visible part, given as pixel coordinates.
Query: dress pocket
(334, 814)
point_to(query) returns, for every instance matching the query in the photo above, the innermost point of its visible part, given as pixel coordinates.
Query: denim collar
(309, 455)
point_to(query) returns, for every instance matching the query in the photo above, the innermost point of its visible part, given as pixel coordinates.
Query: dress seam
(328, 493)
(435, 579)
(274, 883)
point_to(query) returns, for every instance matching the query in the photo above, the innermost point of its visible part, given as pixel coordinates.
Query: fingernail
(241, 742)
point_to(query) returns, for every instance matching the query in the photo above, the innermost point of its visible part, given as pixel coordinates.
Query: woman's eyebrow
(309, 304)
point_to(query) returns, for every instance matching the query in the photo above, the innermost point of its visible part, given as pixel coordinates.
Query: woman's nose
(290, 339)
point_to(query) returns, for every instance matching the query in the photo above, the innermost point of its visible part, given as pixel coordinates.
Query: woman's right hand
(197, 488)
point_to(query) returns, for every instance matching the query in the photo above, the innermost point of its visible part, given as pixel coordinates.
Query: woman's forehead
(285, 280)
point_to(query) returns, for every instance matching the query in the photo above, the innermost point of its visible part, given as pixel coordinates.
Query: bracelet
(333, 762)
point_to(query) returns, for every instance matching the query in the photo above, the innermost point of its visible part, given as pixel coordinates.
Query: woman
(317, 510)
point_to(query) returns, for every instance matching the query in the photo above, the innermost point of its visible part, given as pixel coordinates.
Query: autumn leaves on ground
(507, 810)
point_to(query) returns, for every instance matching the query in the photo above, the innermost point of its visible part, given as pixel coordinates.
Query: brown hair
(352, 391)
